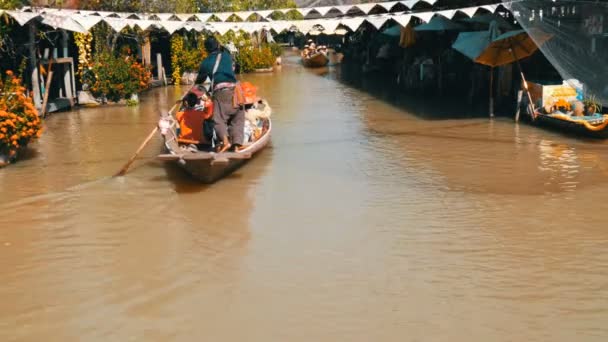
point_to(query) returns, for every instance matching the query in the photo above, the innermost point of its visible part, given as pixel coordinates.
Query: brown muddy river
(364, 221)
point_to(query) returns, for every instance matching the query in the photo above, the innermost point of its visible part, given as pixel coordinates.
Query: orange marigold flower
(14, 137)
(9, 73)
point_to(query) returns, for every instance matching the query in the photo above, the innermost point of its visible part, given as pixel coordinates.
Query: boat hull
(209, 167)
(206, 172)
(315, 61)
(571, 128)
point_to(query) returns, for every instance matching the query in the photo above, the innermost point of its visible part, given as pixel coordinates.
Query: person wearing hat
(229, 119)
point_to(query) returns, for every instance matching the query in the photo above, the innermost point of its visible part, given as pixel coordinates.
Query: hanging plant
(83, 42)
(177, 49)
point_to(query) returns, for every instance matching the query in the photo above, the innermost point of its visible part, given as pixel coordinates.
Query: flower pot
(10, 158)
(85, 98)
(133, 100)
(4, 160)
(263, 70)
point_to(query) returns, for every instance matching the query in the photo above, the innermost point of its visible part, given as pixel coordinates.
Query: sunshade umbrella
(473, 44)
(511, 47)
(393, 31)
(488, 18)
(439, 23)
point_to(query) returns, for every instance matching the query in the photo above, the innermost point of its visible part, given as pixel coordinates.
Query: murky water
(363, 222)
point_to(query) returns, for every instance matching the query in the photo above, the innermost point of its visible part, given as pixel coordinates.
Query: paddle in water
(125, 168)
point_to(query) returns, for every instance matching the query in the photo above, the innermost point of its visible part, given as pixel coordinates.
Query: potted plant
(19, 120)
(118, 78)
(592, 106)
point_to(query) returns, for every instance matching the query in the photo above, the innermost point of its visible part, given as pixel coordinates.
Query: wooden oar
(125, 168)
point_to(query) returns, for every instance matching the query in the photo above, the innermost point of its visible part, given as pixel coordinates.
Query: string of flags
(348, 16)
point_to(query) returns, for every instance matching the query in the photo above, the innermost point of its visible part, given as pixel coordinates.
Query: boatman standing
(229, 118)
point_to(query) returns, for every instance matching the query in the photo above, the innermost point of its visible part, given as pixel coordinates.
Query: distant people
(229, 118)
(291, 39)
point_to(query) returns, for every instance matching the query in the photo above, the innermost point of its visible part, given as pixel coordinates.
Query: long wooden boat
(591, 127)
(208, 166)
(316, 60)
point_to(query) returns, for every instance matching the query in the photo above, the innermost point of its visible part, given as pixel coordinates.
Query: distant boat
(316, 60)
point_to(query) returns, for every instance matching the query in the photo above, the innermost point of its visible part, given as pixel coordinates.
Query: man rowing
(229, 117)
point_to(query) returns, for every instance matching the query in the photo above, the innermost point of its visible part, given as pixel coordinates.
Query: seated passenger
(579, 109)
(191, 121)
(312, 49)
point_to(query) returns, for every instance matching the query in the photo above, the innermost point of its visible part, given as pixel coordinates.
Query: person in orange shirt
(191, 122)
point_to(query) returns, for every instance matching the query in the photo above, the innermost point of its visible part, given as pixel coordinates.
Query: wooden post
(159, 66)
(64, 43)
(67, 81)
(519, 100)
(491, 92)
(34, 64)
(146, 50)
(46, 91)
(67, 70)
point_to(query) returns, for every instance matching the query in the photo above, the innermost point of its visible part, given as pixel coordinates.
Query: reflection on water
(365, 221)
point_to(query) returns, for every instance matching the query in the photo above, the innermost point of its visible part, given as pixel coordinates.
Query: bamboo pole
(491, 92)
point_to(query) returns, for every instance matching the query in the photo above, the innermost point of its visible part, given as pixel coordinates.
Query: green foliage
(186, 55)
(182, 6)
(249, 55)
(276, 49)
(5, 30)
(251, 58)
(149, 6)
(118, 77)
(592, 104)
(242, 5)
(11, 4)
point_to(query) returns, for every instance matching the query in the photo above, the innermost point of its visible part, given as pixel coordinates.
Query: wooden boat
(592, 127)
(208, 166)
(316, 60)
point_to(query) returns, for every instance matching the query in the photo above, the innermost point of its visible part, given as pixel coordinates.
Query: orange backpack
(245, 93)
